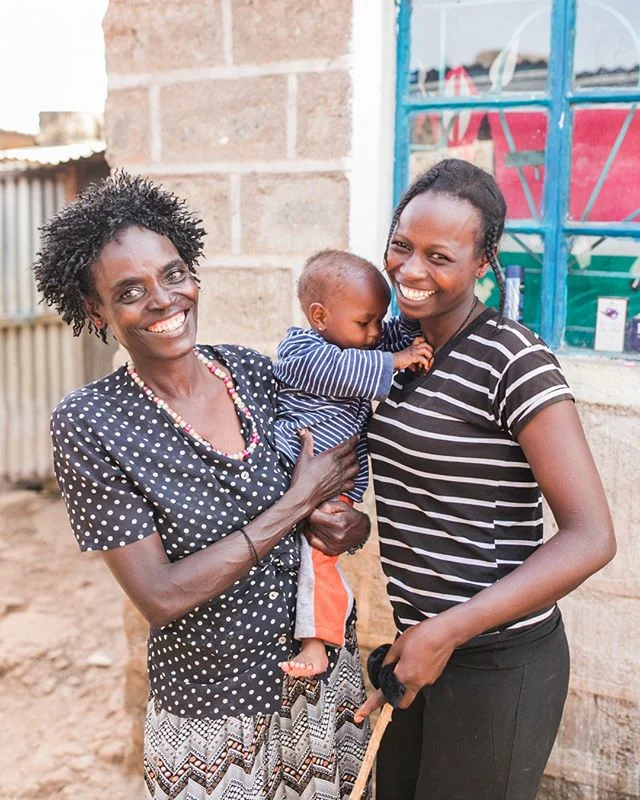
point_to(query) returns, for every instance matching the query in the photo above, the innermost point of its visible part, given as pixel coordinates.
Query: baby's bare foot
(311, 660)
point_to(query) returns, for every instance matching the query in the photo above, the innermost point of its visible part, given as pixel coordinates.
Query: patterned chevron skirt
(311, 750)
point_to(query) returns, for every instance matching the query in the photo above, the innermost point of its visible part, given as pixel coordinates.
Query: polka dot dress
(126, 470)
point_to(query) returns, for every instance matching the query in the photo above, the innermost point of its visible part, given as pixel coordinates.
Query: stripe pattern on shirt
(458, 506)
(329, 390)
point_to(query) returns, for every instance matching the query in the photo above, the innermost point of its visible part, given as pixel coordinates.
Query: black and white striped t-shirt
(458, 506)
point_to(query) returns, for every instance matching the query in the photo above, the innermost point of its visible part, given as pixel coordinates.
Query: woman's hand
(418, 356)
(332, 472)
(336, 527)
(419, 654)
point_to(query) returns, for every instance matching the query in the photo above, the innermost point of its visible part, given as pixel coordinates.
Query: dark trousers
(485, 729)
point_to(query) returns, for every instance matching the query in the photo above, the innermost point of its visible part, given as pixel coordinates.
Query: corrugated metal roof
(51, 156)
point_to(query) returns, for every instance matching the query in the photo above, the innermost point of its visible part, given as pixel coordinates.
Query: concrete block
(127, 127)
(553, 788)
(614, 437)
(274, 30)
(207, 196)
(597, 746)
(245, 306)
(241, 119)
(294, 214)
(324, 115)
(155, 37)
(590, 618)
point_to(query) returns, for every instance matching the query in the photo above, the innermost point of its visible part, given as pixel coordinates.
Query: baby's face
(355, 313)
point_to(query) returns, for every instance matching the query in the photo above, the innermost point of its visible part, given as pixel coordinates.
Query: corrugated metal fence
(40, 361)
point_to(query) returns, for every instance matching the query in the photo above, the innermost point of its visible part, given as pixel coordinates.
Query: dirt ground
(63, 729)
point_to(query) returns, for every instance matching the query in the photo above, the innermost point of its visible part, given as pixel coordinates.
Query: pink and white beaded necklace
(254, 438)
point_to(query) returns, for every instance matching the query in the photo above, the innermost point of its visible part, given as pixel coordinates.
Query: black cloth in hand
(384, 677)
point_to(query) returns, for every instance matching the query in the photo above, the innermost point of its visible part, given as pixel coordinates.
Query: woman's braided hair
(465, 181)
(73, 239)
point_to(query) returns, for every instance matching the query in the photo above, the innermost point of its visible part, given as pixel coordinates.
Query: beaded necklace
(238, 402)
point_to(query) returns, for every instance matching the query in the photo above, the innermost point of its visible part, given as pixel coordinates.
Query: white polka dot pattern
(126, 470)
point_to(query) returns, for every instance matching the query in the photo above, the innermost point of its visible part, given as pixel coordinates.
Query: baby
(328, 377)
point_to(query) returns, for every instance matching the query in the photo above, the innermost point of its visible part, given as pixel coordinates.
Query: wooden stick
(372, 750)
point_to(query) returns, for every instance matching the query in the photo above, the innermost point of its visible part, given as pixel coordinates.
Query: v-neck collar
(421, 378)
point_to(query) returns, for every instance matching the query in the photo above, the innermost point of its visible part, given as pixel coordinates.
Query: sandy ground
(63, 729)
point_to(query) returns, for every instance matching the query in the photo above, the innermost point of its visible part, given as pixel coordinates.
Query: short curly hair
(73, 239)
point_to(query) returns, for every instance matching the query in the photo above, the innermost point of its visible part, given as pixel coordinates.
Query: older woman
(168, 467)
(460, 458)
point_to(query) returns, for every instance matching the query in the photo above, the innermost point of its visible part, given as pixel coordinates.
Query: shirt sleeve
(105, 509)
(399, 333)
(323, 369)
(531, 381)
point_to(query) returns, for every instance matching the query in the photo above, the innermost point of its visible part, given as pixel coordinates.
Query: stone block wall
(243, 108)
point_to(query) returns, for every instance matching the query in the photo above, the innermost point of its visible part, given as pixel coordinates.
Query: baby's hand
(418, 356)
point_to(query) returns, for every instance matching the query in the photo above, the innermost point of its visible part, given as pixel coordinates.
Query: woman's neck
(439, 330)
(172, 379)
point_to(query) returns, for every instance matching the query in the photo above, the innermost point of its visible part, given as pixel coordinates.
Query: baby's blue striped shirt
(329, 390)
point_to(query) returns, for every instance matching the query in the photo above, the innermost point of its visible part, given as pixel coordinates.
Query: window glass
(605, 164)
(521, 259)
(610, 60)
(510, 144)
(463, 47)
(605, 269)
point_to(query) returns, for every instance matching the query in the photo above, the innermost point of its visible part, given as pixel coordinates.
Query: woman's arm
(164, 590)
(558, 454)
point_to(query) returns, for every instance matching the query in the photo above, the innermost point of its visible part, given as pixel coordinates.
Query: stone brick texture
(275, 30)
(207, 196)
(597, 748)
(294, 214)
(147, 36)
(245, 306)
(224, 120)
(324, 115)
(127, 127)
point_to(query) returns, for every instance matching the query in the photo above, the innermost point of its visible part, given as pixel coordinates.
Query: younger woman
(460, 458)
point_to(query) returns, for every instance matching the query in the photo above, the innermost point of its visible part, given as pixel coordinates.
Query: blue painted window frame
(559, 102)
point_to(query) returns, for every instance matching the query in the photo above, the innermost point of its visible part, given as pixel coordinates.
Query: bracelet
(254, 552)
(352, 550)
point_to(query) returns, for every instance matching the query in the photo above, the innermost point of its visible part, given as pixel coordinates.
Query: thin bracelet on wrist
(352, 550)
(254, 552)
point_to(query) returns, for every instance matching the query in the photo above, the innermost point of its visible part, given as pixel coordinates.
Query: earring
(98, 323)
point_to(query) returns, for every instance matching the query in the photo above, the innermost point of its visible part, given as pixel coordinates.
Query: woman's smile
(416, 295)
(170, 324)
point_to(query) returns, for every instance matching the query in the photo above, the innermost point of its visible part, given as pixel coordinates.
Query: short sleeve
(105, 509)
(531, 381)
